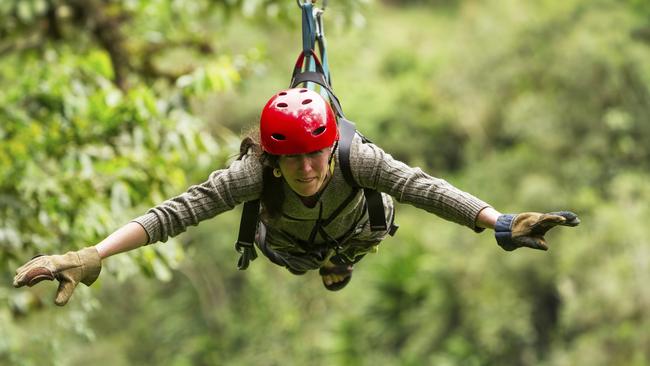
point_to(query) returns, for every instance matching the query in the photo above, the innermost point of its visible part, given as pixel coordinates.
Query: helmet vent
(318, 131)
(282, 93)
(278, 137)
(303, 90)
(282, 105)
(306, 101)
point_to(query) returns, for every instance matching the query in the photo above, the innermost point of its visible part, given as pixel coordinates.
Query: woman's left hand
(527, 229)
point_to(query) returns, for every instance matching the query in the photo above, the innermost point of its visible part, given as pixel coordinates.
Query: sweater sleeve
(222, 191)
(374, 168)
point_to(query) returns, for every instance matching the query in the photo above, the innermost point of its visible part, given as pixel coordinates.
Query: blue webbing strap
(308, 27)
(313, 33)
(322, 48)
(308, 36)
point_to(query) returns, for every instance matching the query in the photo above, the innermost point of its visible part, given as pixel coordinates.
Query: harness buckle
(241, 246)
(377, 227)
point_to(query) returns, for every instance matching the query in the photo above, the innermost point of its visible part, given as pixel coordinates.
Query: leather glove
(69, 269)
(527, 229)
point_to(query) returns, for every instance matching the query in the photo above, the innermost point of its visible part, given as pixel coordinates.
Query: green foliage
(80, 154)
(530, 106)
(86, 146)
(572, 74)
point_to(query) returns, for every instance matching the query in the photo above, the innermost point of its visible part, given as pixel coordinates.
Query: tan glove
(69, 269)
(528, 229)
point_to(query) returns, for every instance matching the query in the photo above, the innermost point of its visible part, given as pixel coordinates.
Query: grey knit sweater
(371, 167)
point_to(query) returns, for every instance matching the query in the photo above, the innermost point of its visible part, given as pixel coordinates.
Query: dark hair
(272, 189)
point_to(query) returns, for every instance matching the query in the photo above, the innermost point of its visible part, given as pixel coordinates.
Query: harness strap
(313, 34)
(341, 207)
(346, 133)
(309, 30)
(375, 210)
(332, 242)
(322, 44)
(317, 225)
(247, 228)
(318, 76)
(271, 254)
(308, 27)
(321, 223)
(375, 203)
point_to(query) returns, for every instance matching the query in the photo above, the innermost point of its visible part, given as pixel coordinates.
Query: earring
(277, 172)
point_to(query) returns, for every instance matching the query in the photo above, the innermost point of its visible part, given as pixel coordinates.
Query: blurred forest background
(109, 107)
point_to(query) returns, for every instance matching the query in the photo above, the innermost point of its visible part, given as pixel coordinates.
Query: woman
(311, 218)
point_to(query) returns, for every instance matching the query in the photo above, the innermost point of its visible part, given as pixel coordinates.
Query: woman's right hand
(69, 269)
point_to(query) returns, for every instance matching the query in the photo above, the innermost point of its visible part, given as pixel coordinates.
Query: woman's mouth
(306, 180)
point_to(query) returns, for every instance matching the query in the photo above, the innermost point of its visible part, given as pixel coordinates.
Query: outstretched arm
(128, 237)
(487, 218)
(375, 169)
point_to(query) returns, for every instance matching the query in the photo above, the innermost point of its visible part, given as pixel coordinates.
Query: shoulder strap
(346, 134)
(375, 210)
(374, 200)
(245, 244)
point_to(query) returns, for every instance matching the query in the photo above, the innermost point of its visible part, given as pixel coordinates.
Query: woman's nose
(304, 163)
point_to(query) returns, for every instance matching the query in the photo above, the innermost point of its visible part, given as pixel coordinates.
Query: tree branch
(106, 30)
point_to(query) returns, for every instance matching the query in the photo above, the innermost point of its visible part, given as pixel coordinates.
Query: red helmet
(297, 121)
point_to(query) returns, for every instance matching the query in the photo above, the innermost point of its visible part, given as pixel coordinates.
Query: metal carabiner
(320, 31)
(312, 2)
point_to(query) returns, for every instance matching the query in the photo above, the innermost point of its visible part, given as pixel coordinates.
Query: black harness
(374, 205)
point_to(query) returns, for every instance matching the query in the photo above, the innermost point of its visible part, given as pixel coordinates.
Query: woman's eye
(315, 153)
(312, 154)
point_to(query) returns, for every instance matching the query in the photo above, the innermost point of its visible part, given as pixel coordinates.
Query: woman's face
(305, 173)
